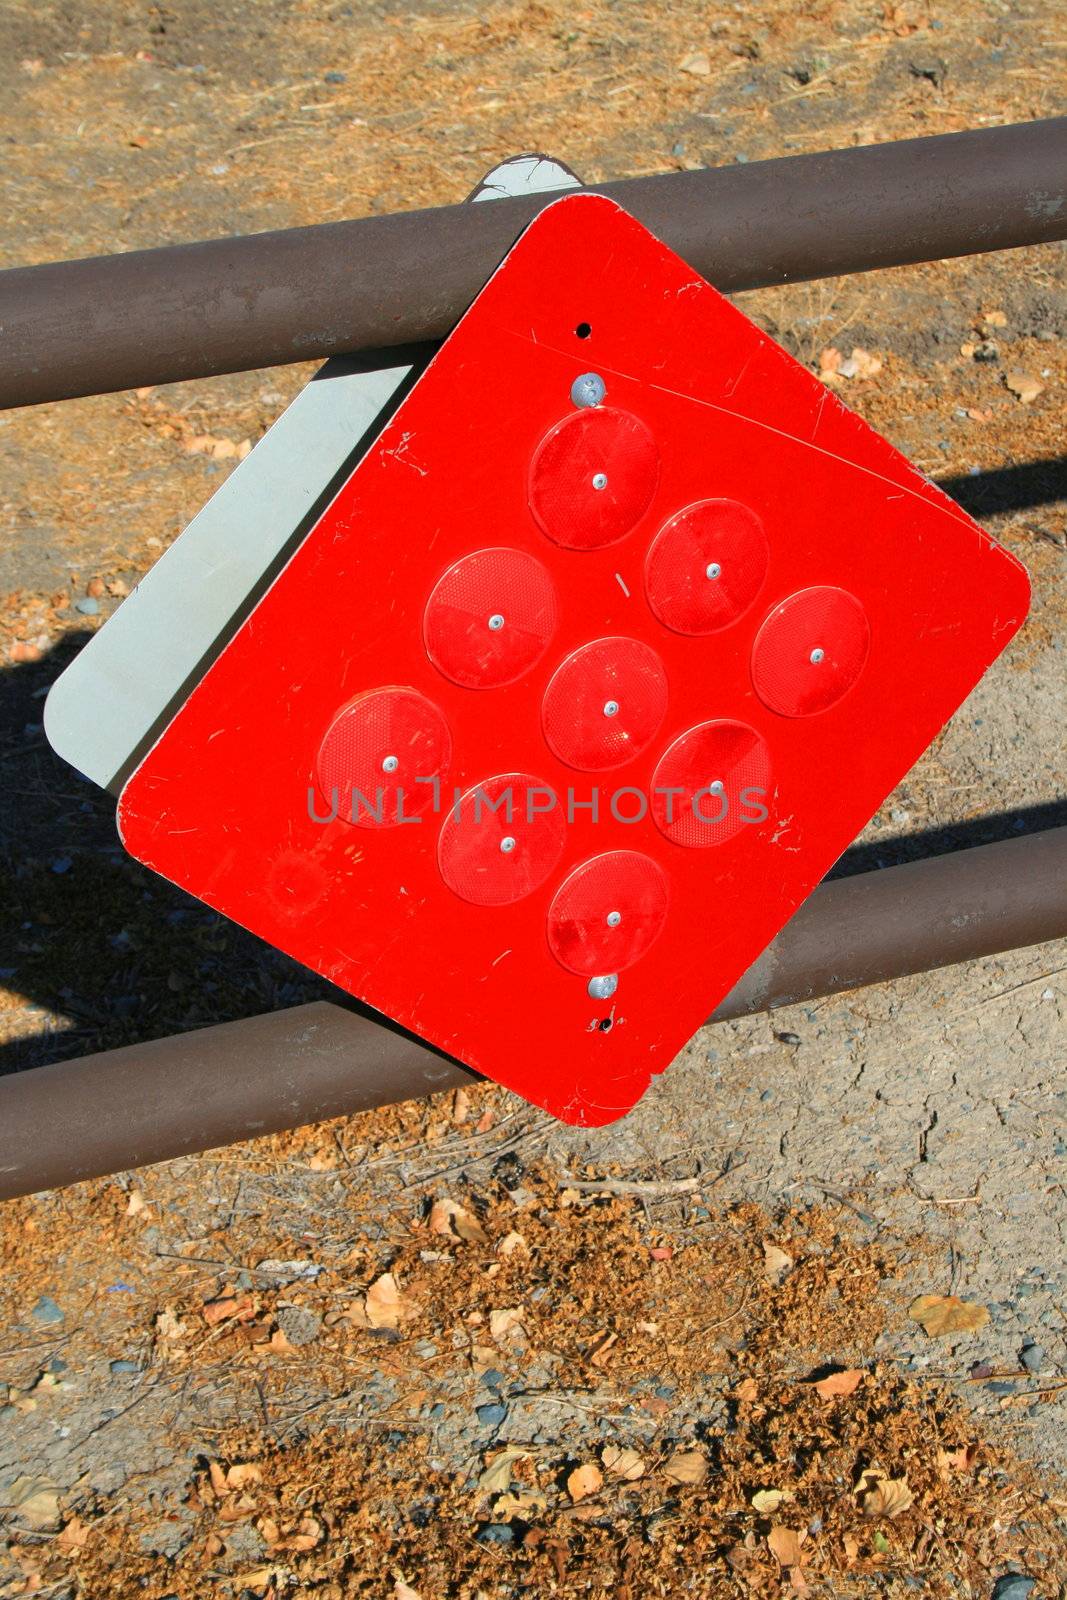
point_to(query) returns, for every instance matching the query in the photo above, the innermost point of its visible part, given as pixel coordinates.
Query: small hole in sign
(583, 330)
(605, 1024)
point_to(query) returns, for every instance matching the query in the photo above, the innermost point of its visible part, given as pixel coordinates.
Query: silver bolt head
(496, 622)
(713, 570)
(604, 987)
(390, 763)
(588, 390)
(507, 844)
(600, 480)
(816, 656)
(613, 919)
(611, 708)
(717, 787)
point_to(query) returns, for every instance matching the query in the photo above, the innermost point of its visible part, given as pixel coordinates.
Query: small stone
(46, 1310)
(299, 1325)
(89, 607)
(987, 350)
(335, 77)
(496, 1533)
(61, 864)
(1032, 1356)
(788, 1038)
(492, 1414)
(1023, 386)
(1013, 1586)
(493, 1379)
(118, 1367)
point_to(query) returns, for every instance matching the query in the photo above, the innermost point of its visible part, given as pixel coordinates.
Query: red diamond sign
(600, 658)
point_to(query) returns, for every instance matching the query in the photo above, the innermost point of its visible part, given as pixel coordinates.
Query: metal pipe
(227, 305)
(149, 1102)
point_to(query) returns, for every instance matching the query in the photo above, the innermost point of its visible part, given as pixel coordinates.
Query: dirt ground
(455, 1349)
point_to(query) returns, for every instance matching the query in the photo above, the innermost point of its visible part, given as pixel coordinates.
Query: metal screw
(496, 622)
(712, 570)
(390, 763)
(816, 656)
(614, 918)
(588, 390)
(507, 844)
(717, 787)
(600, 480)
(603, 988)
(611, 708)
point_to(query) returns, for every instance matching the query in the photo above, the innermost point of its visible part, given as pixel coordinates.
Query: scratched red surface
(813, 621)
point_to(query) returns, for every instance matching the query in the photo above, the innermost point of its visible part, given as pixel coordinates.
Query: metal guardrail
(190, 311)
(170, 1097)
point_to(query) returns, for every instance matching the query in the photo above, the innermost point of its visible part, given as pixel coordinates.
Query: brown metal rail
(149, 1102)
(189, 311)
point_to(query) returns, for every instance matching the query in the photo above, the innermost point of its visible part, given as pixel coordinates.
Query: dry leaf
(829, 361)
(524, 1503)
(784, 1544)
(309, 1534)
(455, 1222)
(747, 1389)
(686, 1466)
(510, 1243)
(767, 1500)
(860, 364)
(258, 1580)
(74, 1535)
(839, 1383)
(1023, 385)
(584, 1480)
(600, 1354)
(269, 1531)
(35, 1502)
(497, 1474)
(461, 1106)
(485, 1121)
(950, 1462)
(168, 1326)
(135, 1203)
(403, 1591)
(620, 1463)
(995, 319)
(229, 1309)
(242, 1473)
(698, 64)
(504, 1322)
(944, 1313)
(880, 1496)
(384, 1305)
(777, 1264)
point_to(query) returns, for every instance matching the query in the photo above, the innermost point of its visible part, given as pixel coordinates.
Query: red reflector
(490, 618)
(502, 839)
(711, 783)
(373, 752)
(592, 478)
(810, 651)
(605, 703)
(607, 913)
(706, 566)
